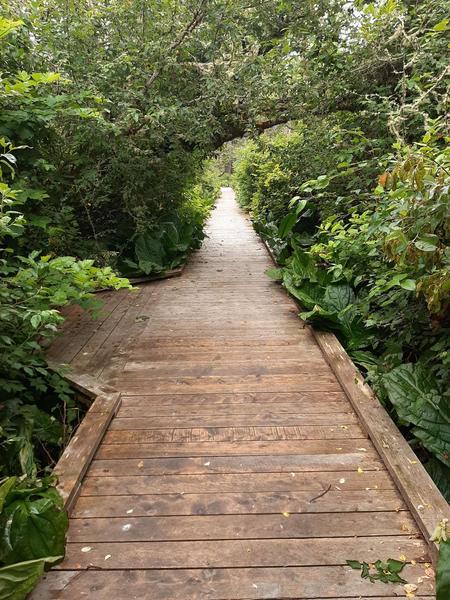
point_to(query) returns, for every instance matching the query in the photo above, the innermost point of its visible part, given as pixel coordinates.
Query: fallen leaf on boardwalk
(402, 557)
(429, 571)
(286, 514)
(141, 464)
(360, 470)
(129, 511)
(342, 480)
(108, 556)
(344, 427)
(410, 588)
(206, 464)
(86, 549)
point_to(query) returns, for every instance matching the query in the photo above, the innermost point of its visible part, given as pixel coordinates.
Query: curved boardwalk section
(236, 467)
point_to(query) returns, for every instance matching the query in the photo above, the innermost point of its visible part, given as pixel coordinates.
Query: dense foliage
(38, 411)
(356, 206)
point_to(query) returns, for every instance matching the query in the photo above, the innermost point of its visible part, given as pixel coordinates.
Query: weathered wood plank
(154, 409)
(241, 553)
(77, 456)
(292, 463)
(235, 482)
(230, 434)
(226, 369)
(306, 400)
(218, 420)
(139, 384)
(234, 527)
(296, 583)
(217, 448)
(223, 503)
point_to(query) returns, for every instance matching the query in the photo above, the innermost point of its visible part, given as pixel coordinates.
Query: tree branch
(190, 27)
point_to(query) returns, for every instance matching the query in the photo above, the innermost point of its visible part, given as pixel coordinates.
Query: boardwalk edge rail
(177, 272)
(423, 498)
(78, 454)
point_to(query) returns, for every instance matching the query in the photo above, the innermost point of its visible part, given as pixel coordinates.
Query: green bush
(378, 276)
(38, 410)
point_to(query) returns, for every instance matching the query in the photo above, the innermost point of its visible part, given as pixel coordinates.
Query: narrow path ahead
(236, 467)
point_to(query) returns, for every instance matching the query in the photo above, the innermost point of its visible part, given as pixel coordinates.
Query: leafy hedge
(38, 411)
(377, 274)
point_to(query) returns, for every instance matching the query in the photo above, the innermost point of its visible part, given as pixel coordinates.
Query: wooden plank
(229, 434)
(296, 583)
(112, 356)
(218, 420)
(77, 332)
(96, 354)
(131, 383)
(225, 369)
(426, 503)
(154, 409)
(292, 463)
(227, 354)
(252, 448)
(234, 503)
(213, 342)
(240, 527)
(235, 482)
(77, 456)
(241, 553)
(305, 399)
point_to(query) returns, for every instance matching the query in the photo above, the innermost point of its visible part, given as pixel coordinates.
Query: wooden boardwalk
(236, 467)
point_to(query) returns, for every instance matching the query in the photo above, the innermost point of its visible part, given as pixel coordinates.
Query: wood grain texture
(207, 554)
(78, 454)
(237, 503)
(229, 527)
(266, 448)
(236, 467)
(296, 583)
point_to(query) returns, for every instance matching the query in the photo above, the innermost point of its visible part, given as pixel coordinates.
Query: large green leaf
(287, 225)
(17, 581)
(32, 526)
(443, 572)
(150, 253)
(338, 297)
(308, 293)
(440, 474)
(303, 266)
(5, 487)
(411, 390)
